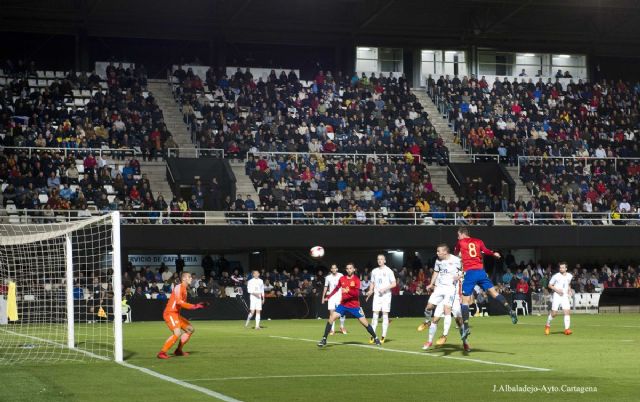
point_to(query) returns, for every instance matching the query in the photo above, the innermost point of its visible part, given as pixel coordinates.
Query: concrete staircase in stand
(244, 185)
(521, 189)
(156, 172)
(442, 127)
(439, 180)
(173, 117)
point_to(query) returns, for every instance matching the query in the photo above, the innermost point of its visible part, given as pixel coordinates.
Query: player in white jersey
(456, 311)
(330, 283)
(255, 288)
(445, 283)
(560, 284)
(382, 281)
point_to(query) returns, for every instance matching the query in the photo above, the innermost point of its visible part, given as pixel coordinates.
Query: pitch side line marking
(421, 354)
(145, 370)
(581, 325)
(184, 384)
(266, 377)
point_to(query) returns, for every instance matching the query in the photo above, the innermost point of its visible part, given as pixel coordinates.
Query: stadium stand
(574, 142)
(83, 134)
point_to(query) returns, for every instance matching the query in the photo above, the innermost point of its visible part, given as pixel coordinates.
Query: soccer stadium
(295, 200)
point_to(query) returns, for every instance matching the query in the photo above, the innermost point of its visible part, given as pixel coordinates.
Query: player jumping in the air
(471, 250)
(457, 313)
(444, 283)
(560, 285)
(349, 286)
(180, 327)
(330, 283)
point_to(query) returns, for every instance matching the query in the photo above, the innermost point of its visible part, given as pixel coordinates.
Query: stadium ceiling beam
(574, 4)
(623, 22)
(376, 14)
(238, 11)
(506, 17)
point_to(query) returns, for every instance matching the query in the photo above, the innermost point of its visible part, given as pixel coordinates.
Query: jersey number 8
(472, 250)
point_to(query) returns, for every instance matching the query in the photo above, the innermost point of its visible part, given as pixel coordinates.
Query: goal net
(60, 295)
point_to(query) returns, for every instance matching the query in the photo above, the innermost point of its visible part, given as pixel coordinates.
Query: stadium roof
(606, 27)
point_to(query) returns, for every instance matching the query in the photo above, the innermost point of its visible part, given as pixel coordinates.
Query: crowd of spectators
(50, 181)
(119, 113)
(353, 186)
(572, 129)
(334, 114)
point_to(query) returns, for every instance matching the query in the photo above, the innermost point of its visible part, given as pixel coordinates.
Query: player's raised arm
(487, 251)
(181, 300)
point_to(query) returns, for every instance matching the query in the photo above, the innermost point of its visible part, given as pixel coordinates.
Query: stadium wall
(232, 308)
(185, 238)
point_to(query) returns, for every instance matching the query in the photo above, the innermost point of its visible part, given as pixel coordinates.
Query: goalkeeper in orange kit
(180, 327)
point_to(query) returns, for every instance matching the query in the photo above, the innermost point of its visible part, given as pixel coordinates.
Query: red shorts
(175, 321)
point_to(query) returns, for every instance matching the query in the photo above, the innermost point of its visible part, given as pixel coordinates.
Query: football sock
(374, 321)
(257, 320)
(432, 331)
(249, 317)
(342, 319)
(385, 324)
(504, 302)
(333, 325)
(465, 314)
(169, 343)
(371, 331)
(327, 329)
(183, 339)
(447, 325)
(549, 318)
(428, 314)
(567, 321)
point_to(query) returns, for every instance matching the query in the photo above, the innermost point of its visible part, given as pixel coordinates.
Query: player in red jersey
(180, 327)
(471, 250)
(349, 285)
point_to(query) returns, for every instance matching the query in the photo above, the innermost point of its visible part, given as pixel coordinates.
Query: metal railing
(24, 216)
(120, 152)
(326, 155)
(75, 151)
(198, 152)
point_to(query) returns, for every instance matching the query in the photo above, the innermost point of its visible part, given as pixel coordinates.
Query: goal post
(60, 291)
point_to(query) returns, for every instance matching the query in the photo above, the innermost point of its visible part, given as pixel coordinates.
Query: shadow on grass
(449, 349)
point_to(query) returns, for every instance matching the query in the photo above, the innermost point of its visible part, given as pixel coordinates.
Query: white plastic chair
(126, 311)
(521, 305)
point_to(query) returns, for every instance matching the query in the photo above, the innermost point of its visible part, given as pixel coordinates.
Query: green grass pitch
(281, 363)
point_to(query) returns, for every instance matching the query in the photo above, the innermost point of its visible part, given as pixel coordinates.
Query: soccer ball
(317, 252)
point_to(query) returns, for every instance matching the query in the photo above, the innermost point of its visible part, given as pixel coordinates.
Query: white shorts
(560, 301)
(255, 303)
(442, 295)
(455, 309)
(381, 303)
(334, 302)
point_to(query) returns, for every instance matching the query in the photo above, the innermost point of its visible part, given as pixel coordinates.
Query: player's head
(255, 273)
(463, 232)
(562, 266)
(381, 260)
(334, 269)
(442, 251)
(185, 277)
(351, 269)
